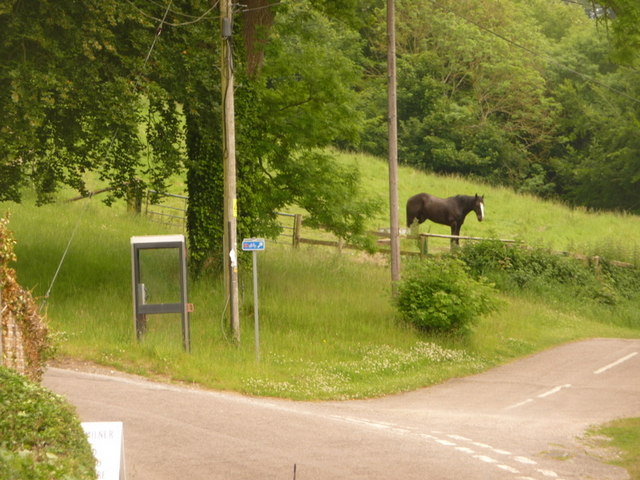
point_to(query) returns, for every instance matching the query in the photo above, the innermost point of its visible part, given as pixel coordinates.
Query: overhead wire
(204, 16)
(176, 12)
(263, 7)
(158, 32)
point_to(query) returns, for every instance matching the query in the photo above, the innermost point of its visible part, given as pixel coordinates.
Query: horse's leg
(455, 230)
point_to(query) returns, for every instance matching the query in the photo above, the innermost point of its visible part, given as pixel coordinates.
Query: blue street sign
(253, 244)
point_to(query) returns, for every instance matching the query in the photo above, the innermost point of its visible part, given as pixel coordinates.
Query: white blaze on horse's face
(481, 214)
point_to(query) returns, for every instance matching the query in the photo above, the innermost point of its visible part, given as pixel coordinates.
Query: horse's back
(425, 206)
(418, 198)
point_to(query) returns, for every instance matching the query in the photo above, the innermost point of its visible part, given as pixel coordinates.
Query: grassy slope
(508, 215)
(328, 329)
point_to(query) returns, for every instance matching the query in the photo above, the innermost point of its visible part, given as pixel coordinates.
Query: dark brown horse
(446, 211)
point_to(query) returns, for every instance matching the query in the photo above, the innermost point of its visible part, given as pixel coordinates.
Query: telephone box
(151, 257)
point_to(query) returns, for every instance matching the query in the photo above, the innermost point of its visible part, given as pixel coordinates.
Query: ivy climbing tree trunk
(205, 189)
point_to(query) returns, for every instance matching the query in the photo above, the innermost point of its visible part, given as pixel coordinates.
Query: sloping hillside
(508, 214)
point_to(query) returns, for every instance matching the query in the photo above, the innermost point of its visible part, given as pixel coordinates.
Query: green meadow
(328, 327)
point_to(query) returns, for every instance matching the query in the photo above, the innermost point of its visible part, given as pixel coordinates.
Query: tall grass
(328, 328)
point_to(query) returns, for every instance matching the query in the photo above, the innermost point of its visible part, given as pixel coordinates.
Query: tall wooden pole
(393, 146)
(229, 154)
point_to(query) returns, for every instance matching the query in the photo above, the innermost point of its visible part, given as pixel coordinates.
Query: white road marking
(469, 451)
(548, 473)
(542, 395)
(446, 443)
(614, 364)
(508, 468)
(554, 390)
(465, 450)
(519, 404)
(379, 426)
(481, 445)
(501, 452)
(484, 458)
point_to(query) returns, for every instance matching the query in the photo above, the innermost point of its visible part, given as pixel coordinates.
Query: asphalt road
(521, 421)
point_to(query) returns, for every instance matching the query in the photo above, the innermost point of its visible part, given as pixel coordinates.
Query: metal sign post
(255, 245)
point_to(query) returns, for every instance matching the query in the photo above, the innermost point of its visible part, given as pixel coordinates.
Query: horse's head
(478, 207)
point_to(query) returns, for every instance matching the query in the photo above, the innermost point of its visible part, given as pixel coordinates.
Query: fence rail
(173, 215)
(176, 215)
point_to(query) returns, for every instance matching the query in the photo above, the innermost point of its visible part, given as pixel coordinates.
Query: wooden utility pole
(393, 146)
(229, 154)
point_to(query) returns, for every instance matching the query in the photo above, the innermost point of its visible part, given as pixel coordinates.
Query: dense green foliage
(439, 295)
(529, 94)
(625, 25)
(71, 96)
(40, 435)
(518, 93)
(295, 95)
(590, 280)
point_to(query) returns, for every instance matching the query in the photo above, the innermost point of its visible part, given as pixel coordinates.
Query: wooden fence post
(297, 228)
(424, 245)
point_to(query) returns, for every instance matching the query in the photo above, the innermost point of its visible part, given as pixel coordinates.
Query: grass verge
(328, 329)
(623, 436)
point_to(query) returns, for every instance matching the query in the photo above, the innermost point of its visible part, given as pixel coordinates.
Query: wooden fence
(170, 209)
(291, 224)
(166, 208)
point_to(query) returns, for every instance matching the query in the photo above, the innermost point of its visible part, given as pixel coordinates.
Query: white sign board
(107, 441)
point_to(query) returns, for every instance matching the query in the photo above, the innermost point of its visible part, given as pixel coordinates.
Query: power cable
(243, 10)
(158, 32)
(204, 16)
(176, 12)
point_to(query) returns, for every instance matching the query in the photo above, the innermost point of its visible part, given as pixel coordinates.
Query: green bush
(438, 294)
(40, 435)
(624, 279)
(522, 265)
(549, 273)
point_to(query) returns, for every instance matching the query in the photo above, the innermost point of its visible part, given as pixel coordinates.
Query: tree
(595, 160)
(469, 101)
(72, 96)
(295, 73)
(83, 91)
(624, 18)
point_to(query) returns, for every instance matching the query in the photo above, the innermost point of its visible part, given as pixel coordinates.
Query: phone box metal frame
(140, 308)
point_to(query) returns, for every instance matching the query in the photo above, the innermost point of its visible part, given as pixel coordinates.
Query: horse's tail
(410, 216)
(414, 207)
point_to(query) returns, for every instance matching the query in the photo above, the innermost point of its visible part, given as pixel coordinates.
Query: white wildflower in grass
(383, 358)
(357, 378)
